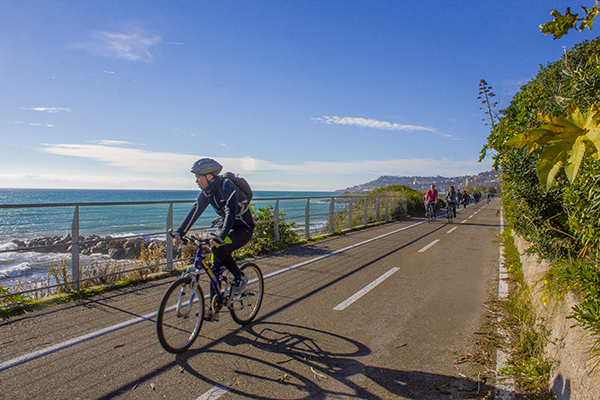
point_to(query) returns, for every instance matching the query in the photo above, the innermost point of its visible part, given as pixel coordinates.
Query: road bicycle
(182, 309)
(430, 215)
(451, 209)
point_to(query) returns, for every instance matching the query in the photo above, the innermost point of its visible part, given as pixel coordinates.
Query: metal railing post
(331, 215)
(350, 214)
(168, 239)
(276, 222)
(387, 209)
(377, 205)
(365, 210)
(307, 220)
(75, 249)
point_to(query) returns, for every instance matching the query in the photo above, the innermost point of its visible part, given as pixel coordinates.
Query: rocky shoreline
(115, 248)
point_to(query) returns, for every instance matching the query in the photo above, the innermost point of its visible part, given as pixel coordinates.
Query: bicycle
(182, 309)
(430, 216)
(451, 209)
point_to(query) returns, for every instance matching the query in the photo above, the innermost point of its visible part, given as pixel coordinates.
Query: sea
(40, 213)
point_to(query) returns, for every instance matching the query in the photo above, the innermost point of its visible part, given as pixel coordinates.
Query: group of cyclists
(453, 199)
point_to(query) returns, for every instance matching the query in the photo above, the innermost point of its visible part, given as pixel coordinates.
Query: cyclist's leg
(235, 240)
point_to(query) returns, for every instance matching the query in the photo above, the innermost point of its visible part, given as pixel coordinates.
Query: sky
(306, 95)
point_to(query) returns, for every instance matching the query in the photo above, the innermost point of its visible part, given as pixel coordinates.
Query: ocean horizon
(48, 216)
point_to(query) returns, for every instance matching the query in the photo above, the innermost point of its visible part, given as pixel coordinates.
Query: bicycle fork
(180, 301)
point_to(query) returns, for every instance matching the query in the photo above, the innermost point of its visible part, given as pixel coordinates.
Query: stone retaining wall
(572, 377)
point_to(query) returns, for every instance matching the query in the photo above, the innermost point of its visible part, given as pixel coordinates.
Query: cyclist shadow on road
(276, 358)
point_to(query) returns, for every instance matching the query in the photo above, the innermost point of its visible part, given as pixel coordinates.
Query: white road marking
(214, 393)
(462, 222)
(452, 230)
(365, 290)
(60, 346)
(505, 387)
(424, 249)
(74, 341)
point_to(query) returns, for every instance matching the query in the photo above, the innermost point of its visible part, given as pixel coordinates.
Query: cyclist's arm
(193, 215)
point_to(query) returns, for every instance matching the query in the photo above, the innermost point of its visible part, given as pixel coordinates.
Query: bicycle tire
(244, 307)
(177, 332)
(450, 214)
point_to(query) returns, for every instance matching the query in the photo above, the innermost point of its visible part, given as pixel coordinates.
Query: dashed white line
(364, 290)
(428, 246)
(452, 230)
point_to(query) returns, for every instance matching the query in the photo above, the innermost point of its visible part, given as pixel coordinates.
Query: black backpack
(244, 187)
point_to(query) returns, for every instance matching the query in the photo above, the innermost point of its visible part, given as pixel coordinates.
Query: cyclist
(237, 225)
(465, 198)
(451, 200)
(431, 198)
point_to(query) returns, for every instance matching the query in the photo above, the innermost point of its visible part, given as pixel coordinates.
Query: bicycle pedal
(211, 317)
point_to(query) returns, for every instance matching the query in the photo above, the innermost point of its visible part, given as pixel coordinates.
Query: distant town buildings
(422, 183)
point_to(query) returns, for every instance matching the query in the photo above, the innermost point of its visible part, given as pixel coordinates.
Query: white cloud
(52, 110)
(154, 169)
(371, 123)
(113, 142)
(135, 44)
(126, 158)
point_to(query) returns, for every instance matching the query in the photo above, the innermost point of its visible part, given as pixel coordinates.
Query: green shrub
(263, 240)
(562, 224)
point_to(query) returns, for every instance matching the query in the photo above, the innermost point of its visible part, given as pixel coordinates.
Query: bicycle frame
(214, 273)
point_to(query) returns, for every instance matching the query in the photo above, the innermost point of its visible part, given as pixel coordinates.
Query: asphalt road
(382, 313)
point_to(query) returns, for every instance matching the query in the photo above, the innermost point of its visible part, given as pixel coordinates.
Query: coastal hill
(422, 183)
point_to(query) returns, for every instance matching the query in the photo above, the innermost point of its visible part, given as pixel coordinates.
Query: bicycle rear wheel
(180, 315)
(245, 306)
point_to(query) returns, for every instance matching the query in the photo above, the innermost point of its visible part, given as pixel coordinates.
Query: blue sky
(293, 95)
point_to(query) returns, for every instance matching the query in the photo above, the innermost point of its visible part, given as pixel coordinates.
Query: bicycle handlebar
(188, 239)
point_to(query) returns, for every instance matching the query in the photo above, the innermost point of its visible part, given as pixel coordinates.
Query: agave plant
(562, 142)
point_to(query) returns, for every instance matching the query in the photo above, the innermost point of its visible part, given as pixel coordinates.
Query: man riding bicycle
(430, 199)
(451, 200)
(237, 225)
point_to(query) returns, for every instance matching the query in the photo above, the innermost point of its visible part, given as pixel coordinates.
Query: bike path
(293, 326)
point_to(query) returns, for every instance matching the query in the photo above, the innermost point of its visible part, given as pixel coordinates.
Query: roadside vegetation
(528, 363)
(394, 201)
(547, 145)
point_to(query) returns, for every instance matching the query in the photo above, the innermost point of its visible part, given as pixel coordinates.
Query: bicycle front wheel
(245, 306)
(180, 315)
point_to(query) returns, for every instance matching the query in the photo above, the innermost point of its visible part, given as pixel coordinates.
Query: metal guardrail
(318, 216)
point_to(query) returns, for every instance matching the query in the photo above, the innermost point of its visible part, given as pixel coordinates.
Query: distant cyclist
(465, 198)
(451, 200)
(237, 225)
(431, 198)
